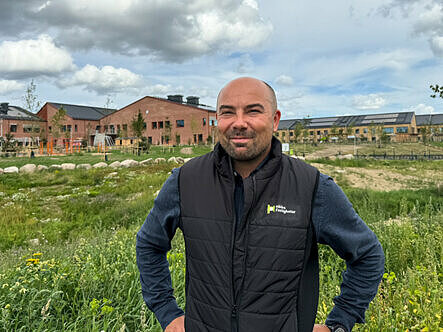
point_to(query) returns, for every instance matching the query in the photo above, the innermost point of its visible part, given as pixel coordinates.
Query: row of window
(26, 128)
(387, 130)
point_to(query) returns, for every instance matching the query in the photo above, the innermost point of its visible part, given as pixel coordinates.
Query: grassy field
(82, 275)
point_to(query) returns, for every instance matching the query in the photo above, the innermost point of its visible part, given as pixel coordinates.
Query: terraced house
(397, 127)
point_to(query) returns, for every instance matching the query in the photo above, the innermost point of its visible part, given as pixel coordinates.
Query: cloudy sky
(323, 58)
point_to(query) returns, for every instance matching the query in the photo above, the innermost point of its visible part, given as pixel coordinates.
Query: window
(388, 130)
(118, 127)
(144, 125)
(365, 130)
(180, 123)
(276, 134)
(149, 139)
(160, 124)
(340, 131)
(311, 132)
(291, 133)
(36, 129)
(97, 128)
(357, 131)
(64, 128)
(125, 126)
(27, 128)
(111, 129)
(402, 130)
(167, 139)
(318, 132)
(326, 132)
(212, 122)
(75, 128)
(106, 128)
(50, 128)
(167, 124)
(200, 138)
(154, 125)
(69, 128)
(283, 134)
(195, 138)
(204, 121)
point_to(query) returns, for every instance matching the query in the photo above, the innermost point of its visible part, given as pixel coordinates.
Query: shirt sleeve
(338, 225)
(153, 243)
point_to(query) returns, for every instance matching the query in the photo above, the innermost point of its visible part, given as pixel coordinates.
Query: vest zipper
(234, 312)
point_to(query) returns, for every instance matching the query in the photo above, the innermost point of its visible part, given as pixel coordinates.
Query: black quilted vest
(258, 274)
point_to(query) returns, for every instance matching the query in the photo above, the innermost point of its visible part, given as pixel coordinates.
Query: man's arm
(153, 242)
(338, 225)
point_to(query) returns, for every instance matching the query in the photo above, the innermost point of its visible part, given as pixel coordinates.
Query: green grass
(86, 277)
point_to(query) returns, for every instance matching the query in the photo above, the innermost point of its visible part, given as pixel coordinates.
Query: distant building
(23, 125)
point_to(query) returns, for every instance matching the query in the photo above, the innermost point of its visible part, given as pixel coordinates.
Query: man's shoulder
(196, 161)
(298, 163)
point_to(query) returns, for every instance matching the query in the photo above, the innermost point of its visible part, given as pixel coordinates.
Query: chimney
(176, 98)
(4, 108)
(192, 100)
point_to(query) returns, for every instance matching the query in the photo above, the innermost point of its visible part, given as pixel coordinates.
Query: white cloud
(284, 80)
(437, 45)
(420, 109)
(7, 86)
(104, 80)
(368, 102)
(169, 29)
(28, 58)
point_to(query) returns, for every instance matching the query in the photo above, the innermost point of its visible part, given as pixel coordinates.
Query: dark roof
(357, 120)
(432, 119)
(201, 106)
(286, 124)
(18, 113)
(84, 112)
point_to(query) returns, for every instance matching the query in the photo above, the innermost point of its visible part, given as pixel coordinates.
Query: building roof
(286, 124)
(426, 119)
(356, 120)
(18, 113)
(81, 112)
(185, 103)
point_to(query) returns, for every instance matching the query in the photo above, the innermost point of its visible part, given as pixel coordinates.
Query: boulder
(129, 163)
(66, 166)
(172, 160)
(42, 168)
(28, 168)
(34, 242)
(186, 159)
(187, 150)
(346, 156)
(55, 167)
(1, 171)
(180, 160)
(100, 165)
(159, 160)
(440, 187)
(84, 166)
(11, 169)
(147, 161)
(115, 164)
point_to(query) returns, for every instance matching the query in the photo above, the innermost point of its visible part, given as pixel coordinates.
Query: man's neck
(246, 167)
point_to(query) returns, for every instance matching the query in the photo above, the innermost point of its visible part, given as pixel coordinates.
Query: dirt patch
(332, 150)
(375, 179)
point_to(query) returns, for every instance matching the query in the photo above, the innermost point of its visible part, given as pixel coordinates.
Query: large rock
(346, 156)
(10, 169)
(55, 167)
(42, 168)
(180, 160)
(66, 166)
(100, 165)
(129, 163)
(172, 160)
(147, 161)
(84, 166)
(115, 164)
(186, 159)
(1, 171)
(159, 160)
(28, 168)
(187, 150)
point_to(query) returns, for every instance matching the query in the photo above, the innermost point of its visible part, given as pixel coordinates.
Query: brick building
(170, 121)
(23, 125)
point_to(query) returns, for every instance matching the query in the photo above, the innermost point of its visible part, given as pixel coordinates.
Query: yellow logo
(271, 208)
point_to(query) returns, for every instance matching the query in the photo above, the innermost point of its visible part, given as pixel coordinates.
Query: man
(251, 219)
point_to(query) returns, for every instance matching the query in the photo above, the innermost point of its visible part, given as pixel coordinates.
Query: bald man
(251, 218)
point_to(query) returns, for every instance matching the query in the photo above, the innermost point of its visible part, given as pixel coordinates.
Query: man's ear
(277, 116)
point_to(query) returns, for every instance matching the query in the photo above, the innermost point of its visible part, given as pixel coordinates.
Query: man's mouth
(240, 139)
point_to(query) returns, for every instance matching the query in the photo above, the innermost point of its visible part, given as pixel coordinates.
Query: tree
(298, 129)
(57, 122)
(8, 143)
(437, 91)
(30, 99)
(138, 125)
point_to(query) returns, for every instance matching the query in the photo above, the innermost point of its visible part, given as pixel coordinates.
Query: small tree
(57, 122)
(30, 99)
(298, 129)
(137, 126)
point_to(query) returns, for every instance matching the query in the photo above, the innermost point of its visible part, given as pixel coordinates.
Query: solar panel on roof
(379, 120)
(381, 116)
(322, 124)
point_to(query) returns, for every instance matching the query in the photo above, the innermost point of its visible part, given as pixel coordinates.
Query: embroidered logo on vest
(278, 209)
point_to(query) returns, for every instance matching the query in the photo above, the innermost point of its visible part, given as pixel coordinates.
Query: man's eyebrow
(255, 105)
(226, 106)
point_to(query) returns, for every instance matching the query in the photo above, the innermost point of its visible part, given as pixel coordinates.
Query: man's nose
(240, 121)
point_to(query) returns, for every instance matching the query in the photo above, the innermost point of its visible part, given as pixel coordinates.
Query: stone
(100, 165)
(34, 242)
(348, 156)
(55, 167)
(68, 166)
(147, 161)
(129, 163)
(180, 160)
(159, 160)
(28, 168)
(341, 171)
(42, 168)
(11, 169)
(186, 159)
(440, 187)
(187, 150)
(115, 164)
(84, 166)
(172, 160)
(1, 171)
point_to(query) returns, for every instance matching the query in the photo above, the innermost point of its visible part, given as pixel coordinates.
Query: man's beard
(256, 146)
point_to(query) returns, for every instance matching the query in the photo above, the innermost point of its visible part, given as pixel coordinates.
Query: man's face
(246, 119)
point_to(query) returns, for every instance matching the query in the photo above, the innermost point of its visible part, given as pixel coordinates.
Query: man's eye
(254, 111)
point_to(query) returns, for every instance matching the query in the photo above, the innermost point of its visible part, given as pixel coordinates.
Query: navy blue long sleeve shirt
(335, 222)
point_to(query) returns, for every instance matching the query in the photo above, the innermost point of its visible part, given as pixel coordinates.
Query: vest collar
(224, 166)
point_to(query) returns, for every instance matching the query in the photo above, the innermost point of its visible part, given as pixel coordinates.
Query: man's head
(247, 116)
